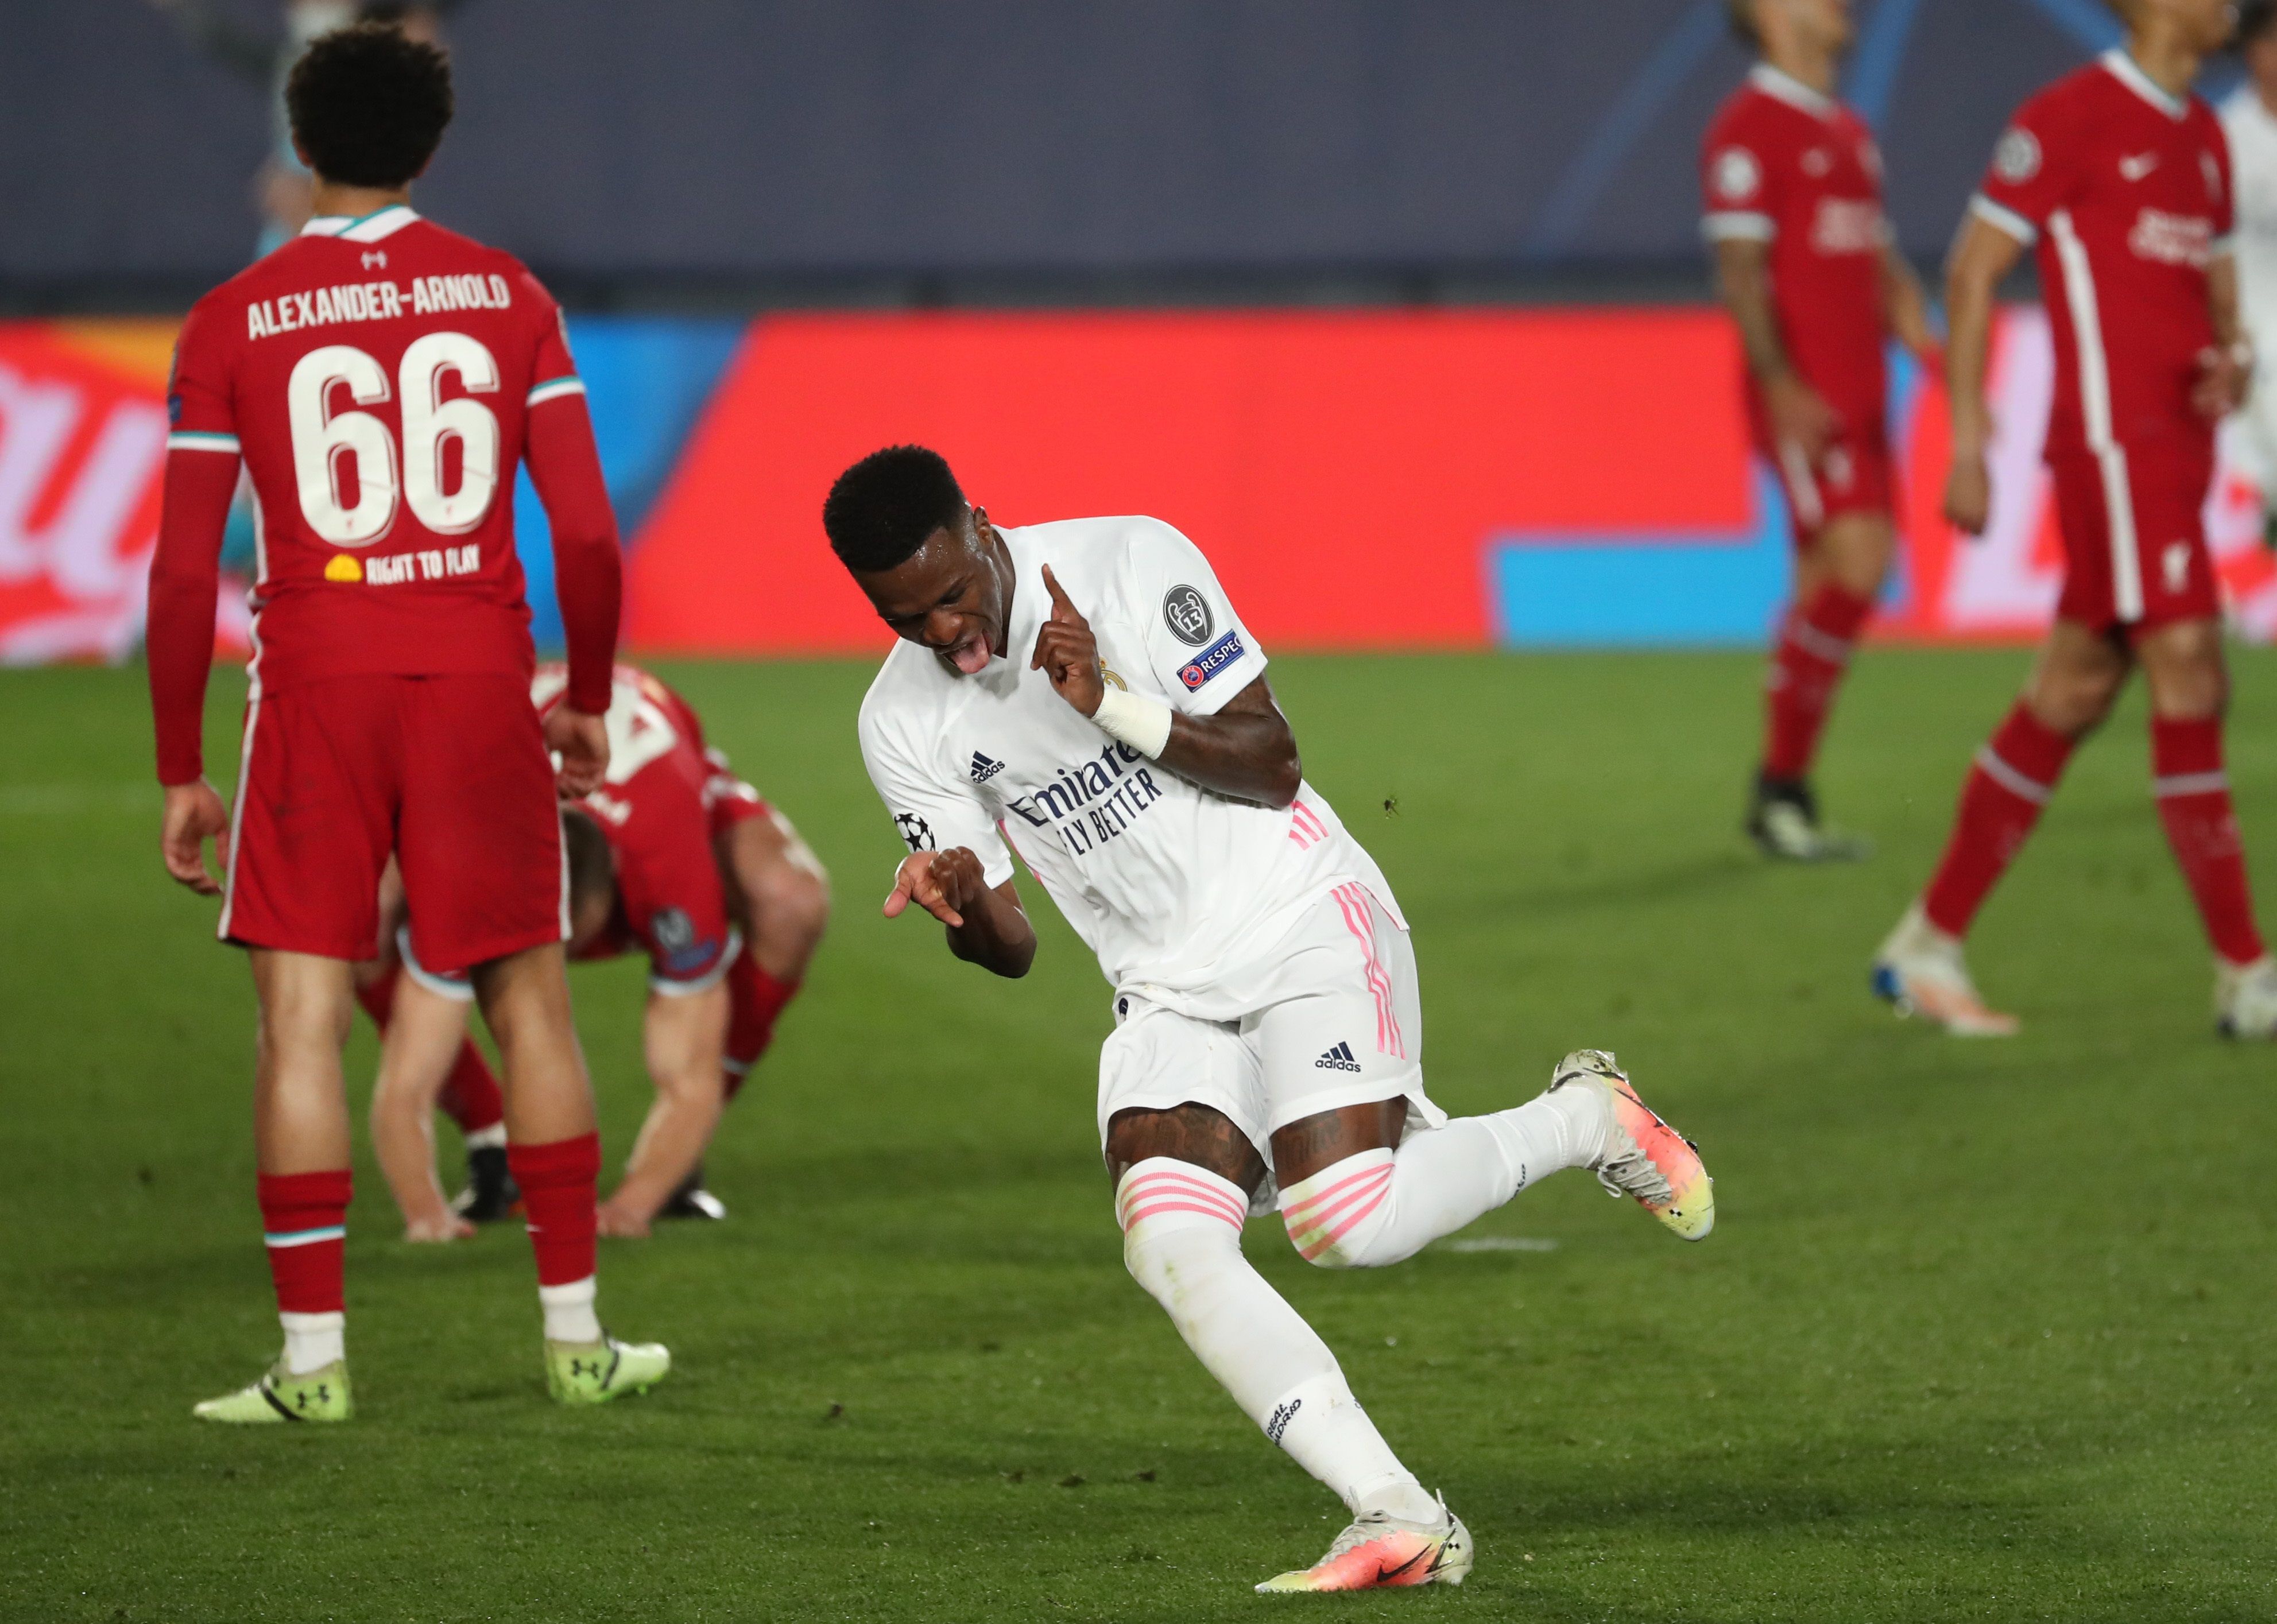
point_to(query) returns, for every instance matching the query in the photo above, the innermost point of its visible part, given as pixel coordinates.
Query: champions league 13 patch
(1187, 614)
(1211, 660)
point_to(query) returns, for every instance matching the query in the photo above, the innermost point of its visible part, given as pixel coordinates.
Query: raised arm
(1982, 256)
(1245, 749)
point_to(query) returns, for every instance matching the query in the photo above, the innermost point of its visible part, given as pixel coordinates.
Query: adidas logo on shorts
(983, 768)
(1337, 1059)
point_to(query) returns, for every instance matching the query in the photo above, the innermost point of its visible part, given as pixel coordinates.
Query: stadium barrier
(1372, 480)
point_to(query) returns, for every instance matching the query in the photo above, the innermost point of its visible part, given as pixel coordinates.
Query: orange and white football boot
(1922, 971)
(1651, 1162)
(1381, 1552)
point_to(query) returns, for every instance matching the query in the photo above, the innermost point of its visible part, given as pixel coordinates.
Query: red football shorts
(2134, 537)
(450, 773)
(1852, 476)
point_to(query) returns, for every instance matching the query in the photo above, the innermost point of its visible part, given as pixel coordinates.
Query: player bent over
(1087, 689)
(2121, 178)
(1806, 264)
(380, 378)
(675, 855)
(464, 1088)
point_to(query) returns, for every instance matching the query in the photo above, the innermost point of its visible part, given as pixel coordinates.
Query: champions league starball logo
(2017, 158)
(915, 831)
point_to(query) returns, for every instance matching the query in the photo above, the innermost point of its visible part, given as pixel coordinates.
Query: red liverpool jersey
(1787, 166)
(2125, 190)
(670, 899)
(380, 378)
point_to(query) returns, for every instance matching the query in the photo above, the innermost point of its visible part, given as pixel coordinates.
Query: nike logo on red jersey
(2136, 168)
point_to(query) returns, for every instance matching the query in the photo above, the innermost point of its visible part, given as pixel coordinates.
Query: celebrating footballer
(1084, 693)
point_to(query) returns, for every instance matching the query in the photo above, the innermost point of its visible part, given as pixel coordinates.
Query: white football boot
(1922, 972)
(2245, 998)
(1380, 1553)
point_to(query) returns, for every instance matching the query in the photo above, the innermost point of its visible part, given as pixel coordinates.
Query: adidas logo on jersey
(983, 768)
(1337, 1059)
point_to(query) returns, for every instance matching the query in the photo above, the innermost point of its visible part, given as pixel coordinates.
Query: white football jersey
(2252, 134)
(1170, 884)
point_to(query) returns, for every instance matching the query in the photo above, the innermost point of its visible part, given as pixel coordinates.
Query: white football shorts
(1332, 1016)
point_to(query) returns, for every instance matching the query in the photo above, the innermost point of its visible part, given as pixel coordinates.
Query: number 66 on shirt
(380, 378)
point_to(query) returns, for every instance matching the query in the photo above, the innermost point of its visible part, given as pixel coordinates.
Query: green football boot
(596, 1372)
(320, 1395)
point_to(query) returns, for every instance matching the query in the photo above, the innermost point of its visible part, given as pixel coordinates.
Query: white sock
(1383, 1206)
(1182, 1241)
(1323, 1426)
(492, 1138)
(569, 1315)
(314, 1340)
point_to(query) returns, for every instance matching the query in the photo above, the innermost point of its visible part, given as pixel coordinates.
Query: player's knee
(2191, 685)
(1174, 1215)
(790, 906)
(1341, 1216)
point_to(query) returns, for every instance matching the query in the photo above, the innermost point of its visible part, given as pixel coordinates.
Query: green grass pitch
(1984, 1332)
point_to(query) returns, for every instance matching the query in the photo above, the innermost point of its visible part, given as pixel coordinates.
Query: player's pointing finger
(1062, 609)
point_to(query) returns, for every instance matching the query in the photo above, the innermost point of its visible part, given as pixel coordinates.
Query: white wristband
(1135, 719)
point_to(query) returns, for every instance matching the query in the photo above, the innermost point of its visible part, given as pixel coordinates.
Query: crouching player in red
(1805, 262)
(416, 1040)
(675, 855)
(380, 378)
(2121, 177)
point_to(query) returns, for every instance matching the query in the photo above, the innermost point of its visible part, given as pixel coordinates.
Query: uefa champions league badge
(1187, 614)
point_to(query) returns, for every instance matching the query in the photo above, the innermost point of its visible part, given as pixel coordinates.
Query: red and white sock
(2014, 776)
(304, 1222)
(2194, 803)
(472, 1099)
(1807, 666)
(755, 999)
(557, 1182)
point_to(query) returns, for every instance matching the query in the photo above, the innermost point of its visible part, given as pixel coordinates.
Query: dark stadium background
(891, 151)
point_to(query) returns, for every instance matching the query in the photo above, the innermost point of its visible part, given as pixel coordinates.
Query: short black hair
(2255, 18)
(880, 510)
(1742, 14)
(369, 105)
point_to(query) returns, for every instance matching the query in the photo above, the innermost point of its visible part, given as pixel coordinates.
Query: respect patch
(1223, 652)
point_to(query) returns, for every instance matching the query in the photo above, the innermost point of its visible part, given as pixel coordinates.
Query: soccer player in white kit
(1082, 692)
(2249, 117)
